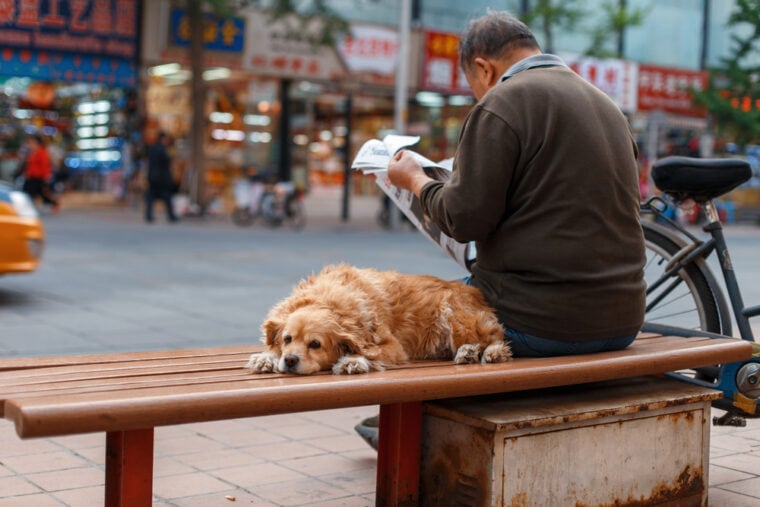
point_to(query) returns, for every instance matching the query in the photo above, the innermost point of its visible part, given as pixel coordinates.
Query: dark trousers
(37, 187)
(162, 194)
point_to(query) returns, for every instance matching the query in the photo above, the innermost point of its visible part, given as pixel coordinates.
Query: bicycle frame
(698, 248)
(728, 378)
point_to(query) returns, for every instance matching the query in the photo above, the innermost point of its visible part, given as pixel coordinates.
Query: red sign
(668, 89)
(102, 27)
(440, 64)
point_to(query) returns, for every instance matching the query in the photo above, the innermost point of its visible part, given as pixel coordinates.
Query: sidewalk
(309, 459)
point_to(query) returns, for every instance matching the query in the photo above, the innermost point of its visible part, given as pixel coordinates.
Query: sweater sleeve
(473, 202)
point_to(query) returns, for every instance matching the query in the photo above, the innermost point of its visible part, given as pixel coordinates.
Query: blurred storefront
(68, 71)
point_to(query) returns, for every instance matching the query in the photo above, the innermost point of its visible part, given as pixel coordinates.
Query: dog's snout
(291, 360)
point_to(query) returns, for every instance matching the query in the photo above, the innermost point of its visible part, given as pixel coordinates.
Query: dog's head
(308, 340)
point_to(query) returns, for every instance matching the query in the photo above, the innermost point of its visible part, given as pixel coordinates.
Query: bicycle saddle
(700, 179)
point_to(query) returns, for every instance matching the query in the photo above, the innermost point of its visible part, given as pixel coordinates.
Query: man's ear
(485, 71)
(272, 329)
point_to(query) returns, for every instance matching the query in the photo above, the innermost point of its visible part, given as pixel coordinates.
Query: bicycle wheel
(242, 217)
(691, 298)
(295, 213)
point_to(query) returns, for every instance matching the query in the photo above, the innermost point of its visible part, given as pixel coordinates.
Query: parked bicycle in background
(275, 202)
(684, 296)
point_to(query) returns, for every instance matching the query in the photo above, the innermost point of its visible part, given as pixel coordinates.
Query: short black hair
(494, 35)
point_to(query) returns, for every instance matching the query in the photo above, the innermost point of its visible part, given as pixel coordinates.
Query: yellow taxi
(22, 235)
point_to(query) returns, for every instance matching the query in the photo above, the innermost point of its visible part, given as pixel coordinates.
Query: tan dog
(355, 320)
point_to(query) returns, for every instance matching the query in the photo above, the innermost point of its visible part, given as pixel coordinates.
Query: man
(160, 179)
(546, 183)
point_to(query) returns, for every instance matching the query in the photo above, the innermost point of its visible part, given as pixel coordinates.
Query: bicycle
(684, 297)
(276, 203)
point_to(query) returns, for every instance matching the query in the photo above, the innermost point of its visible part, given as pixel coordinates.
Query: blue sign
(49, 66)
(219, 34)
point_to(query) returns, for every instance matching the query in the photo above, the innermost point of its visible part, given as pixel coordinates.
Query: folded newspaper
(374, 157)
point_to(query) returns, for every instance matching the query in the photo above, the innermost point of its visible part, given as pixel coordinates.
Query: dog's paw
(350, 365)
(264, 362)
(468, 353)
(497, 353)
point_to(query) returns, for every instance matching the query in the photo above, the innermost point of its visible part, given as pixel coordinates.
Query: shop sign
(68, 67)
(617, 78)
(371, 49)
(283, 48)
(219, 34)
(440, 64)
(666, 89)
(94, 27)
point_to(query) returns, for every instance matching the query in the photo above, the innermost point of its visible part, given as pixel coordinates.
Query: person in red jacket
(39, 172)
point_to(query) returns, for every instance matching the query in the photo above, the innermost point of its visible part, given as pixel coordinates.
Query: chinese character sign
(440, 64)
(668, 89)
(372, 49)
(92, 27)
(617, 78)
(219, 34)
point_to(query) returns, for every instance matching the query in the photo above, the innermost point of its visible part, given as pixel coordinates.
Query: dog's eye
(314, 344)
(287, 339)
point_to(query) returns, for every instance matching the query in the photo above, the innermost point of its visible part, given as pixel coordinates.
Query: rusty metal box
(640, 441)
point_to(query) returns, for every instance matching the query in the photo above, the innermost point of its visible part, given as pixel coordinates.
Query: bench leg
(129, 468)
(398, 455)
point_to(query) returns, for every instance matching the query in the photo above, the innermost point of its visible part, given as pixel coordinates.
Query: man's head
(490, 45)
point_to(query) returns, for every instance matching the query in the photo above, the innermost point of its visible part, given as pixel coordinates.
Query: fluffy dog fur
(355, 320)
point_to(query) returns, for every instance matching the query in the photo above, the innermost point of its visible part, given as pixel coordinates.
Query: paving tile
(247, 438)
(741, 462)
(236, 497)
(719, 497)
(15, 486)
(179, 486)
(223, 458)
(749, 487)
(71, 478)
(94, 495)
(303, 492)
(721, 475)
(357, 482)
(316, 466)
(256, 475)
(284, 450)
(163, 467)
(44, 462)
(352, 501)
(732, 442)
(306, 431)
(185, 445)
(41, 500)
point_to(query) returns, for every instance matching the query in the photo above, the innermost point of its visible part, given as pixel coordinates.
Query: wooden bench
(128, 395)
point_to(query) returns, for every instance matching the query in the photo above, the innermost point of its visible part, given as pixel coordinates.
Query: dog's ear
(272, 329)
(347, 346)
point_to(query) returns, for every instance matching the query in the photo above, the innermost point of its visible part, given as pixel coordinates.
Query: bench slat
(23, 363)
(245, 395)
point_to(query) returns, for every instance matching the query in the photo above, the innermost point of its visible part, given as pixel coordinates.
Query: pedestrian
(38, 172)
(545, 181)
(160, 180)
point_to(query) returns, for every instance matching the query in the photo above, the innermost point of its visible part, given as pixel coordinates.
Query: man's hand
(405, 172)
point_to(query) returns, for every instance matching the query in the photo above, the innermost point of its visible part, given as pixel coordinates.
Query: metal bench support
(398, 458)
(129, 468)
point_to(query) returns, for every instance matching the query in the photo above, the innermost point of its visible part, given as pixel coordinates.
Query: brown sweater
(545, 182)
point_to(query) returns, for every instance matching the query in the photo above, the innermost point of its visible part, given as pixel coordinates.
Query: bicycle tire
(296, 214)
(695, 300)
(242, 217)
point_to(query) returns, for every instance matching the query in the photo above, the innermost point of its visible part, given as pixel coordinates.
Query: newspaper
(373, 158)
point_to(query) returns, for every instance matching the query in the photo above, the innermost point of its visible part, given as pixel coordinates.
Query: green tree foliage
(617, 17)
(732, 96)
(553, 14)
